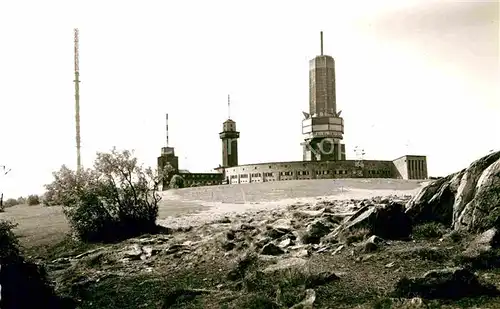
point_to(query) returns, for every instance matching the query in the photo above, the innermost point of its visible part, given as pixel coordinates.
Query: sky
(413, 77)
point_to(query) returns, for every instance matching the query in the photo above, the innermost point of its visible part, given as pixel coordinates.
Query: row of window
(212, 176)
(385, 173)
(304, 173)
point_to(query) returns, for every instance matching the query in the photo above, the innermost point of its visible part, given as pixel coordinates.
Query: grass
(431, 230)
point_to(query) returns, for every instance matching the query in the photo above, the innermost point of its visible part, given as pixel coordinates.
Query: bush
(9, 244)
(10, 202)
(431, 230)
(33, 200)
(115, 200)
(21, 200)
(24, 284)
(177, 182)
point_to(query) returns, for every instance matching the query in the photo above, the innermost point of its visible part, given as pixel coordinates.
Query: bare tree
(4, 171)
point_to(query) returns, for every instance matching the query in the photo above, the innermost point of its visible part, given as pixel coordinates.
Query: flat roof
(314, 162)
(420, 156)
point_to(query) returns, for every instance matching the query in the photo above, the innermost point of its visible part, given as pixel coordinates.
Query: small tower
(229, 137)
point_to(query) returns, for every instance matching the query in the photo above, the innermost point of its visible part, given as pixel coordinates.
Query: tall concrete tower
(229, 137)
(323, 128)
(168, 157)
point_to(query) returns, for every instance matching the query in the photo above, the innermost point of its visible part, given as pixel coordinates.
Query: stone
(483, 243)
(390, 265)
(405, 303)
(134, 252)
(285, 243)
(262, 241)
(448, 283)
(322, 278)
(308, 301)
(339, 248)
(230, 235)
(302, 253)
(467, 200)
(228, 245)
(387, 221)
(271, 249)
(278, 229)
(315, 231)
(285, 264)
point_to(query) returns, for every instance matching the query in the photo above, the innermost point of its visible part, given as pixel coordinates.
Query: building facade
(324, 155)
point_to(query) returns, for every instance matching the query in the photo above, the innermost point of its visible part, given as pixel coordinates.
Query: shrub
(21, 200)
(33, 200)
(10, 202)
(430, 230)
(24, 284)
(177, 182)
(115, 200)
(9, 244)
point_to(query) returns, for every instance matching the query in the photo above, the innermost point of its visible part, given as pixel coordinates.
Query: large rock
(467, 200)
(387, 221)
(315, 231)
(448, 283)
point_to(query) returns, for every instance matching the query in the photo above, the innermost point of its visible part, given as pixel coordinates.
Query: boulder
(372, 243)
(315, 231)
(482, 252)
(468, 200)
(271, 249)
(447, 283)
(387, 221)
(483, 242)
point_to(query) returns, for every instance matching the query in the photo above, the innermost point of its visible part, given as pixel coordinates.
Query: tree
(114, 200)
(33, 200)
(177, 182)
(10, 202)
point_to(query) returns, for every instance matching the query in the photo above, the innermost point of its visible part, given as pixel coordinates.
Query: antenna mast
(77, 103)
(321, 38)
(167, 127)
(228, 107)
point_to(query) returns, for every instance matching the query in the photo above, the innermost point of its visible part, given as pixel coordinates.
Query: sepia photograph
(249, 154)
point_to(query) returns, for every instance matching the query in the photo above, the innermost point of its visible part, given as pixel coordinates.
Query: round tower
(229, 137)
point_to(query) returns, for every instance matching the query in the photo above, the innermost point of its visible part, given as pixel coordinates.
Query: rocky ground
(316, 254)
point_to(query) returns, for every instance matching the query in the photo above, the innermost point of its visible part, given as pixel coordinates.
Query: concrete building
(324, 155)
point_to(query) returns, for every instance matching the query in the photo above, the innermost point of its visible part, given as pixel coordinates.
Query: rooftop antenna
(166, 118)
(321, 37)
(228, 107)
(77, 103)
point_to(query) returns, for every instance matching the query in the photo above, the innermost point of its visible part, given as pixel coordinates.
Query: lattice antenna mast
(228, 107)
(77, 103)
(166, 127)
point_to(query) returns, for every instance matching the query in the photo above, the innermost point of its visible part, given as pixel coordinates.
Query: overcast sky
(413, 77)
